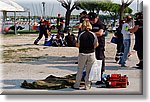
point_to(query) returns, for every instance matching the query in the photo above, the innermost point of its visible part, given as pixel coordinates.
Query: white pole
(15, 22)
(43, 9)
(3, 22)
(137, 5)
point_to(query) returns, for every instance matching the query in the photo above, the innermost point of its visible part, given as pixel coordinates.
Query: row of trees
(105, 6)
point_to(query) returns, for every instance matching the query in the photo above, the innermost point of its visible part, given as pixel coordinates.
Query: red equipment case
(117, 81)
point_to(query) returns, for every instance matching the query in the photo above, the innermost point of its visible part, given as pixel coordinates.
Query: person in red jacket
(44, 30)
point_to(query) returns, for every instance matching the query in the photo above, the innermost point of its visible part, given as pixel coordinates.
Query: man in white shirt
(126, 40)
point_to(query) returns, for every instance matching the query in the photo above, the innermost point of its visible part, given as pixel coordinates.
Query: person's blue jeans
(126, 43)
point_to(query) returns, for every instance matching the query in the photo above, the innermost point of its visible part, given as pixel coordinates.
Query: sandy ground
(24, 61)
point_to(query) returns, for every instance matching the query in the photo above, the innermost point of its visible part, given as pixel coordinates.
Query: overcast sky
(53, 7)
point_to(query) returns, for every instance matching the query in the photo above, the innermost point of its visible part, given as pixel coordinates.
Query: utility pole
(137, 5)
(29, 19)
(15, 23)
(43, 3)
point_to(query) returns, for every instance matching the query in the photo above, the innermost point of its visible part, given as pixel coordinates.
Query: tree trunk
(115, 19)
(97, 11)
(92, 10)
(67, 19)
(122, 8)
(121, 12)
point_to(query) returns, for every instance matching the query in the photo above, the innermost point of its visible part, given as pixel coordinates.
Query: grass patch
(12, 56)
(23, 32)
(8, 35)
(45, 47)
(11, 32)
(27, 49)
(54, 31)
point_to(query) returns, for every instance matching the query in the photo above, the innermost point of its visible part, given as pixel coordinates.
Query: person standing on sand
(87, 42)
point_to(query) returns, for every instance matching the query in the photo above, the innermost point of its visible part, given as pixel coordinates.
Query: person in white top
(126, 40)
(125, 31)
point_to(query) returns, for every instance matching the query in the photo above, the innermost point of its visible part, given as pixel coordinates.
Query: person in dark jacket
(138, 31)
(120, 46)
(44, 30)
(60, 23)
(70, 39)
(97, 28)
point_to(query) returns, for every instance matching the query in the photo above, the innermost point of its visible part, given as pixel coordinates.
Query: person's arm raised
(134, 29)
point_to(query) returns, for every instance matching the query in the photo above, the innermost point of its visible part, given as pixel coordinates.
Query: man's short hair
(128, 18)
(92, 15)
(58, 14)
(140, 14)
(83, 12)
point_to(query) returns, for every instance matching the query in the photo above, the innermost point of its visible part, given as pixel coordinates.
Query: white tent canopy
(8, 5)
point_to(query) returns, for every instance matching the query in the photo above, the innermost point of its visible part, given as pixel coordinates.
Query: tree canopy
(103, 6)
(123, 6)
(69, 5)
(113, 9)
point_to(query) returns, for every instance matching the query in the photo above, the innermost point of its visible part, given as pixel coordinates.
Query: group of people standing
(91, 43)
(123, 34)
